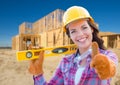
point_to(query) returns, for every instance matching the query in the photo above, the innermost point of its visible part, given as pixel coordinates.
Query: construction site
(48, 32)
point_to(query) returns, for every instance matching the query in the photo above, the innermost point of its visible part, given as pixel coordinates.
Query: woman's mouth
(82, 40)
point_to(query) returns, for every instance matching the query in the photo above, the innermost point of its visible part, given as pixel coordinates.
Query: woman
(85, 67)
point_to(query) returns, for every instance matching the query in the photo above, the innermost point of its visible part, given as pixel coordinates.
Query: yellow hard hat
(74, 13)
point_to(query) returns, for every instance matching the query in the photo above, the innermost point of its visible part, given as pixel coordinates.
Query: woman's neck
(81, 51)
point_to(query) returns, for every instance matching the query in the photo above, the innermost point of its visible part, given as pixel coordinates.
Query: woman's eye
(84, 27)
(72, 31)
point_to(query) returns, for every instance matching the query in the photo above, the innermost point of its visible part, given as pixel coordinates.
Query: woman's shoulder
(107, 51)
(110, 54)
(67, 62)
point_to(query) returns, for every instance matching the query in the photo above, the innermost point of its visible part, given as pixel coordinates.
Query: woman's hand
(36, 65)
(104, 67)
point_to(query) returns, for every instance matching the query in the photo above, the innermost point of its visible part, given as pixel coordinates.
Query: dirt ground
(13, 72)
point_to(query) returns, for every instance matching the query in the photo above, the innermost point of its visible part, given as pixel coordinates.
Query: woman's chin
(83, 45)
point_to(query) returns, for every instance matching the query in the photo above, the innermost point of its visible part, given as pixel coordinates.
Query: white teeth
(81, 40)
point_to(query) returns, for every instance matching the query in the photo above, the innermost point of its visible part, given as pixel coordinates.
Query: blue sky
(14, 12)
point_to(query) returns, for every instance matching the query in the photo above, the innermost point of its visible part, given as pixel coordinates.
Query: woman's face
(81, 34)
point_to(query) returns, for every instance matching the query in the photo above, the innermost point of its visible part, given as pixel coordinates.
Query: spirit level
(53, 51)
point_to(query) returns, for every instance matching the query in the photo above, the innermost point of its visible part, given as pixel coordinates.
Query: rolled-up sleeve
(39, 80)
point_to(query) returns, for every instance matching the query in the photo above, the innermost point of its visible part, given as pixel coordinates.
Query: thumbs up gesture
(36, 65)
(104, 67)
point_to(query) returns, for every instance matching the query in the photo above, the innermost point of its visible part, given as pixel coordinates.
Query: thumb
(41, 56)
(95, 49)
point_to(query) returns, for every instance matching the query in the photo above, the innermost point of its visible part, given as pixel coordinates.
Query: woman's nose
(80, 33)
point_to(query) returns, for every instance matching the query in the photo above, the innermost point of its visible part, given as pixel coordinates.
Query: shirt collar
(79, 57)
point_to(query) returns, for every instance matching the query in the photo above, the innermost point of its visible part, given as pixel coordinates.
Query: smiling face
(81, 34)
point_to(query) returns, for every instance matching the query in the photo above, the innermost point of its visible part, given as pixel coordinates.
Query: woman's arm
(57, 78)
(104, 63)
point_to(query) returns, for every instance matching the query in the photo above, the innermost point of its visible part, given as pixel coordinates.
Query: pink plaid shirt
(65, 72)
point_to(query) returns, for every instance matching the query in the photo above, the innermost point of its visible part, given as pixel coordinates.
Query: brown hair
(95, 34)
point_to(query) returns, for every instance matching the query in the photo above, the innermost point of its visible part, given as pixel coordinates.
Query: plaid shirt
(65, 72)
